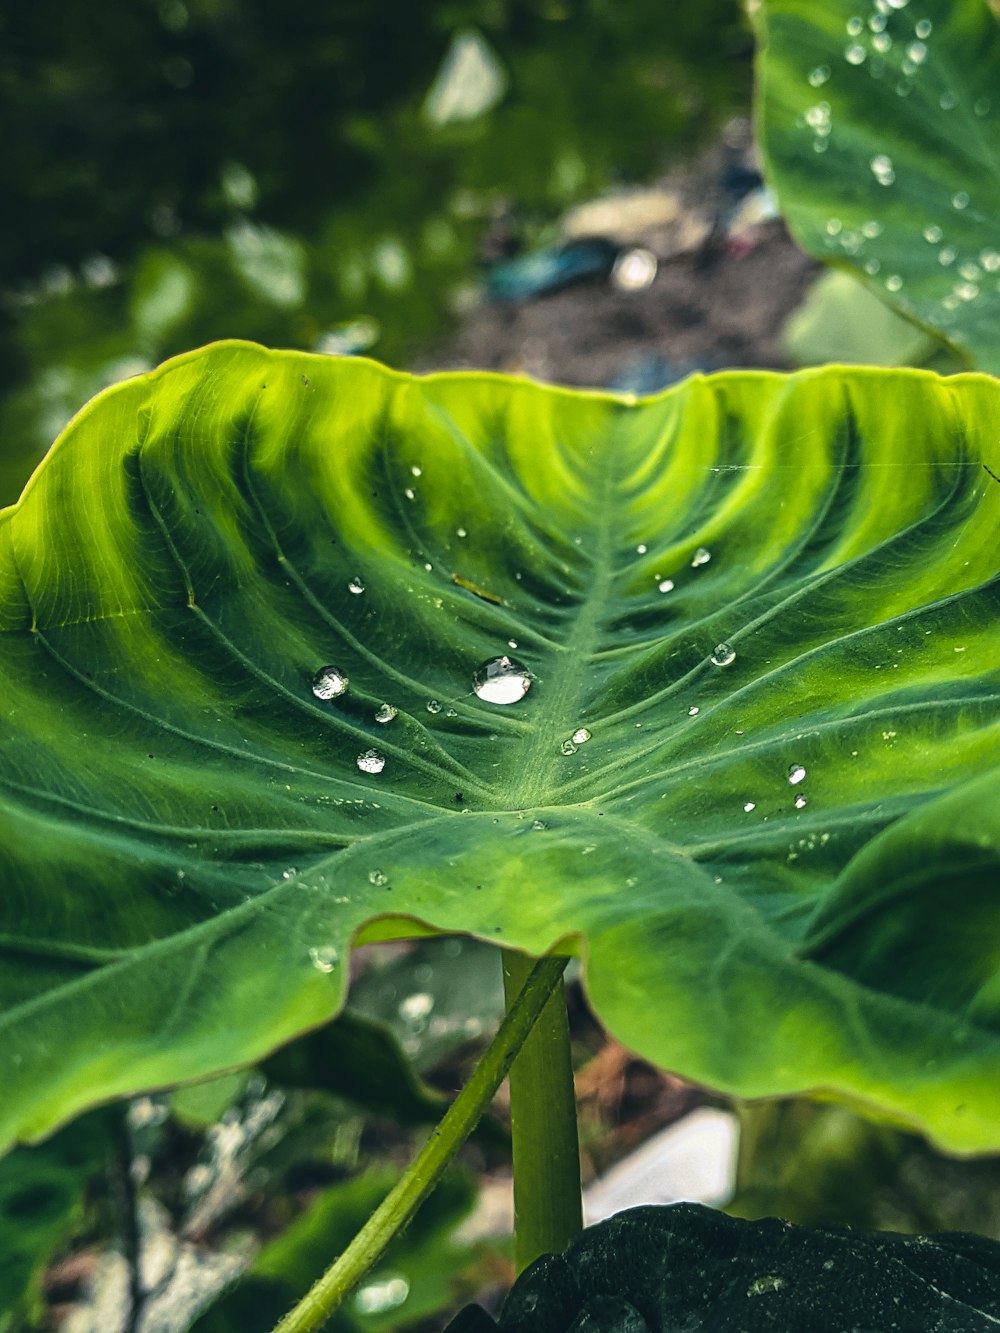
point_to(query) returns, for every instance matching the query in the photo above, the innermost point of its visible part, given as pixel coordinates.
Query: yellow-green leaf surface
(880, 126)
(772, 602)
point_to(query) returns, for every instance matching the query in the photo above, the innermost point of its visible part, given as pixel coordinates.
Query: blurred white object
(634, 270)
(470, 82)
(693, 1161)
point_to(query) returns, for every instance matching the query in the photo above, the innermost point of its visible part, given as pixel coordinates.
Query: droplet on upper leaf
(386, 713)
(701, 557)
(329, 682)
(796, 774)
(356, 586)
(323, 957)
(723, 654)
(501, 680)
(581, 736)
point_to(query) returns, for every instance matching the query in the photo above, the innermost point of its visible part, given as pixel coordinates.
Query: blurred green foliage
(186, 170)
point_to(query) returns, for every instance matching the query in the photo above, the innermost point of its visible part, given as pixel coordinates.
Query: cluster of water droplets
(887, 42)
(796, 776)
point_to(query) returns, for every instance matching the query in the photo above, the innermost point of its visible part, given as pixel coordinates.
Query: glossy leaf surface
(880, 125)
(771, 601)
(687, 1269)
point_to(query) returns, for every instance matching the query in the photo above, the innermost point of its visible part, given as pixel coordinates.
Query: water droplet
(461, 532)
(701, 557)
(634, 270)
(960, 200)
(581, 736)
(800, 802)
(820, 145)
(872, 266)
(947, 255)
(818, 118)
(982, 106)
(323, 957)
(723, 654)
(933, 234)
(428, 566)
(433, 706)
(855, 26)
(415, 1008)
(666, 585)
(796, 773)
(896, 4)
(855, 55)
(694, 710)
(882, 169)
(819, 75)
(769, 1282)
(882, 43)
(971, 272)
(539, 825)
(967, 291)
(329, 682)
(834, 226)
(923, 27)
(371, 762)
(917, 52)
(501, 680)
(871, 229)
(416, 471)
(386, 713)
(451, 712)
(378, 1297)
(748, 806)
(379, 878)
(410, 493)
(567, 747)
(511, 643)
(947, 101)
(642, 548)
(893, 282)
(356, 586)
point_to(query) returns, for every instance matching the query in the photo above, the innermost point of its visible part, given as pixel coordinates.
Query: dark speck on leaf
(459, 797)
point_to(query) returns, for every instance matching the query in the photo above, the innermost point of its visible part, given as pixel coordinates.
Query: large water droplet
(371, 762)
(323, 957)
(501, 680)
(581, 736)
(356, 586)
(701, 557)
(723, 654)
(386, 713)
(796, 774)
(666, 585)
(329, 682)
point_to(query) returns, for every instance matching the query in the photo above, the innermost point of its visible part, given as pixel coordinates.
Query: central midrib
(557, 705)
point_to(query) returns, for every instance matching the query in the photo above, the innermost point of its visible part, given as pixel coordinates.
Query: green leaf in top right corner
(879, 122)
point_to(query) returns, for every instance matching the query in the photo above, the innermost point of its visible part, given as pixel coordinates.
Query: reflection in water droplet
(511, 643)
(461, 532)
(567, 747)
(855, 26)
(666, 585)
(356, 586)
(433, 706)
(855, 55)
(501, 680)
(539, 825)
(694, 710)
(323, 957)
(581, 736)
(329, 682)
(933, 234)
(428, 566)
(796, 773)
(923, 27)
(723, 654)
(642, 548)
(917, 52)
(371, 762)
(410, 493)
(701, 557)
(386, 713)
(800, 802)
(379, 878)
(960, 200)
(748, 806)
(834, 226)
(882, 43)
(819, 75)
(416, 471)
(378, 1297)
(893, 282)
(416, 1007)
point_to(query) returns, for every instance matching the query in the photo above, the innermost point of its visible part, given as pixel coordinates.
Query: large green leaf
(686, 1269)
(190, 847)
(880, 124)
